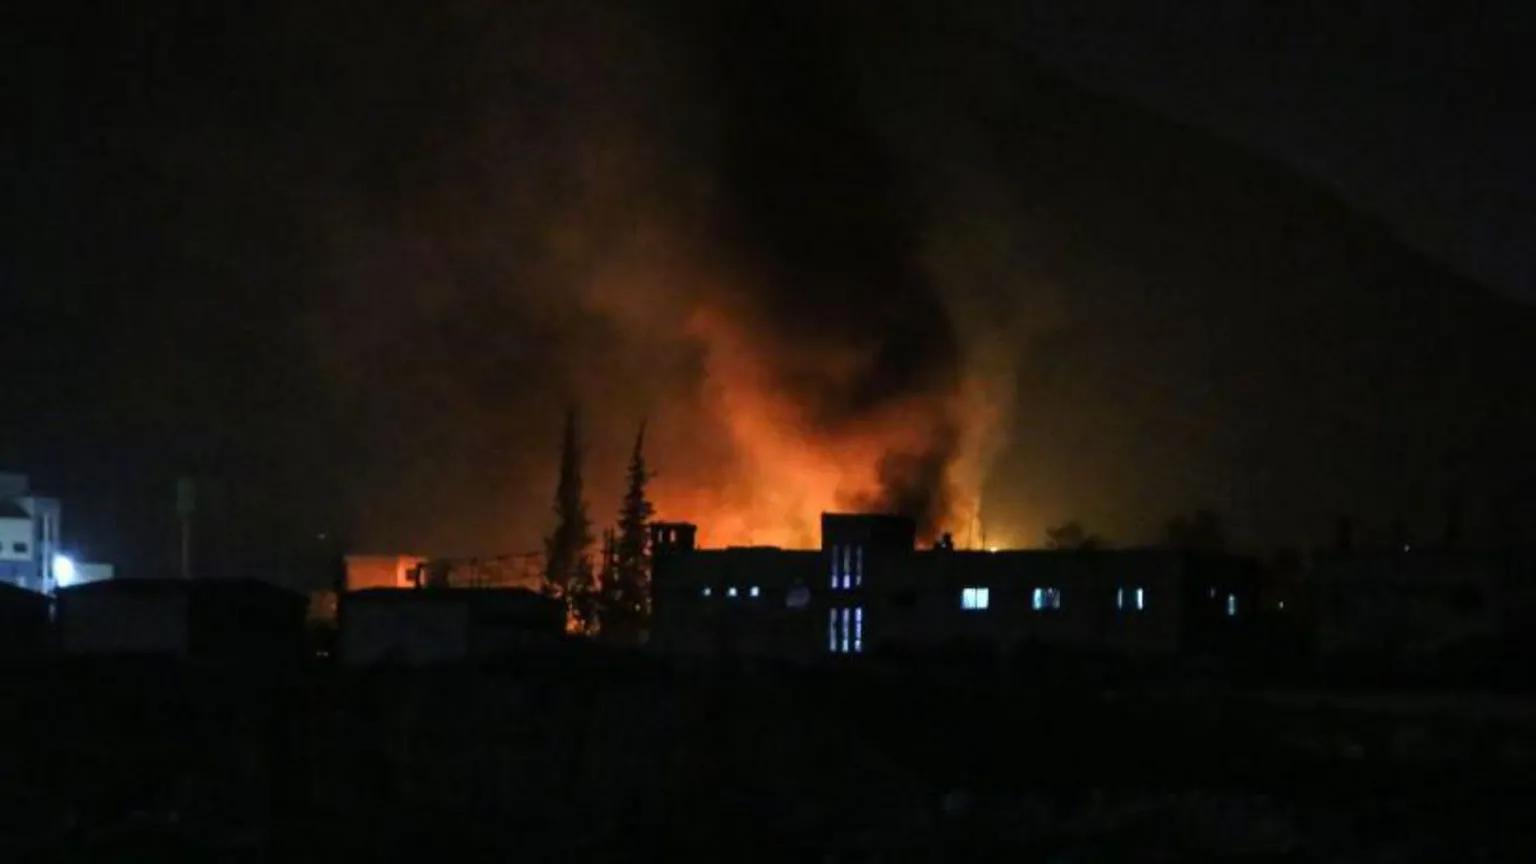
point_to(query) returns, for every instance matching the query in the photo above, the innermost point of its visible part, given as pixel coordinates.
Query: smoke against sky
(834, 258)
(716, 238)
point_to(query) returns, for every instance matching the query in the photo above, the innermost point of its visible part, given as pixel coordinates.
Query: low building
(1410, 602)
(447, 625)
(381, 571)
(213, 619)
(24, 625)
(868, 588)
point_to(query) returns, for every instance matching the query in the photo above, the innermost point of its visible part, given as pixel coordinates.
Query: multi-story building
(870, 588)
(29, 537)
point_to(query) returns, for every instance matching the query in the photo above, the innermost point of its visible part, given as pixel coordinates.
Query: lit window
(731, 591)
(832, 630)
(1138, 598)
(708, 591)
(1212, 595)
(843, 626)
(858, 629)
(858, 565)
(975, 598)
(1231, 604)
(834, 568)
(1046, 598)
(754, 591)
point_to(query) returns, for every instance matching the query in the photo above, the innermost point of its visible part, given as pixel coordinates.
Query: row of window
(1041, 599)
(979, 599)
(851, 572)
(845, 630)
(732, 591)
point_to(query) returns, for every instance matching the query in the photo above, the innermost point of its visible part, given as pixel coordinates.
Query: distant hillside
(1206, 326)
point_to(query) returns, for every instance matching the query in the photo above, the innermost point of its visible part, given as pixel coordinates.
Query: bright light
(975, 599)
(1046, 598)
(63, 570)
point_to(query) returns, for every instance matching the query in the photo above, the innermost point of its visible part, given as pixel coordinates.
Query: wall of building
(47, 523)
(24, 624)
(868, 589)
(18, 553)
(16, 540)
(1410, 603)
(740, 601)
(100, 623)
(408, 633)
(380, 571)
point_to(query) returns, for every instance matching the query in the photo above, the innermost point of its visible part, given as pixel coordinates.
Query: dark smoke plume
(829, 233)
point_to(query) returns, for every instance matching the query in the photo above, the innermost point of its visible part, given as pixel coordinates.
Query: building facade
(446, 625)
(212, 619)
(869, 588)
(29, 536)
(381, 571)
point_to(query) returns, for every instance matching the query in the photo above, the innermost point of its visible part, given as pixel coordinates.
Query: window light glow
(975, 599)
(1046, 598)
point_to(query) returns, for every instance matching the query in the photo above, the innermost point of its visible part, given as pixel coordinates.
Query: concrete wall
(24, 625)
(914, 599)
(16, 542)
(1411, 602)
(122, 623)
(418, 628)
(380, 571)
(412, 634)
(703, 603)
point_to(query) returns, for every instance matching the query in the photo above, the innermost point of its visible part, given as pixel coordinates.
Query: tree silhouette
(1072, 536)
(568, 571)
(627, 597)
(1200, 531)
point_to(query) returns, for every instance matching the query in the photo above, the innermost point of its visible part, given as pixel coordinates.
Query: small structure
(29, 535)
(446, 625)
(23, 622)
(213, 619)
(381, 571)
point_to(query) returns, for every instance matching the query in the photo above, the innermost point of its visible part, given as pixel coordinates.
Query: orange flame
(786, 475)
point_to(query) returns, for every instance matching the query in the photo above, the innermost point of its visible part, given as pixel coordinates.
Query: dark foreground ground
(601, 761)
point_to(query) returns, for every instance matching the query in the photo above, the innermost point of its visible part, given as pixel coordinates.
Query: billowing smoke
(827, 237)
(691, 216)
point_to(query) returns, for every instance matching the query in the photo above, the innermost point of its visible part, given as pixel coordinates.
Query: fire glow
(788, 472)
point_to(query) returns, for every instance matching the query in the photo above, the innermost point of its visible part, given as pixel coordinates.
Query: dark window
(19, 547)
(904, 599)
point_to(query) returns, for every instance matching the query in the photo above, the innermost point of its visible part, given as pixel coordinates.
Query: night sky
(1108, 263)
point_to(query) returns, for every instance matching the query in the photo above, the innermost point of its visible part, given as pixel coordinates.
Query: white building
(30, 552)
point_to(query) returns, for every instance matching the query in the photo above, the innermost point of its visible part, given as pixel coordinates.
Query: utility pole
(186, 505)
